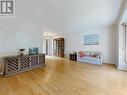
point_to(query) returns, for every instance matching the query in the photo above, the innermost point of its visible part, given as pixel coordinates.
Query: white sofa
(92, 57)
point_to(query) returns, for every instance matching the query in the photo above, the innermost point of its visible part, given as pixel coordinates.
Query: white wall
(22, 31)
(75, 42)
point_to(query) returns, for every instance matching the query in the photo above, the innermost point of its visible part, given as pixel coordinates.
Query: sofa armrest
(78, 57)
(98, 56)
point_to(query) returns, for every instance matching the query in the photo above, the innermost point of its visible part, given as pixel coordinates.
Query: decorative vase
(22, 51)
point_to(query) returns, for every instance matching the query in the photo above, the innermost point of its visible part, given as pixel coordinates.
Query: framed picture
(91, 39)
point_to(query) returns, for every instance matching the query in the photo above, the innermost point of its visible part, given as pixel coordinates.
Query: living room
(63, 47)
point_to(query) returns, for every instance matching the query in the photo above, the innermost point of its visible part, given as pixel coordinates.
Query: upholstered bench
(92, 57)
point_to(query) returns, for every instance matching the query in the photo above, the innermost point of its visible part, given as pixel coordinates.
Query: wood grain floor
(64, 77)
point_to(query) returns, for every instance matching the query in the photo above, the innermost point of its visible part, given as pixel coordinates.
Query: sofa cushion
(87, 53)
(84, 53)
(88, 57)
(81, 54)
(95, 54)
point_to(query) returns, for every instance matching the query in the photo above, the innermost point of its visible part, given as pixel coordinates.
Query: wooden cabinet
(73, 57)
(16, 64)
(58, 47)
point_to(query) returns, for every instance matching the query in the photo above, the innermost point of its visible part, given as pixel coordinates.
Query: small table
(73, 57)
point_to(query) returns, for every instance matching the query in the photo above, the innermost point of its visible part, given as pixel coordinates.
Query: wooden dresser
(17, 64)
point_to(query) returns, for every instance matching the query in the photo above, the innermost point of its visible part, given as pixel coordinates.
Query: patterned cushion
(89, 54)
(81, 54)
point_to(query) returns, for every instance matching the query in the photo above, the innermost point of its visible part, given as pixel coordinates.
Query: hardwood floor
(64, 77)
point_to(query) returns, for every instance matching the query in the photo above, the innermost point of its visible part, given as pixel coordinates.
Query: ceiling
(74, 15)
(62, 16)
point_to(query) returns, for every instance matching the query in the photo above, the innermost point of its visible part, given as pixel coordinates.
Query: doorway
(48, 46)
